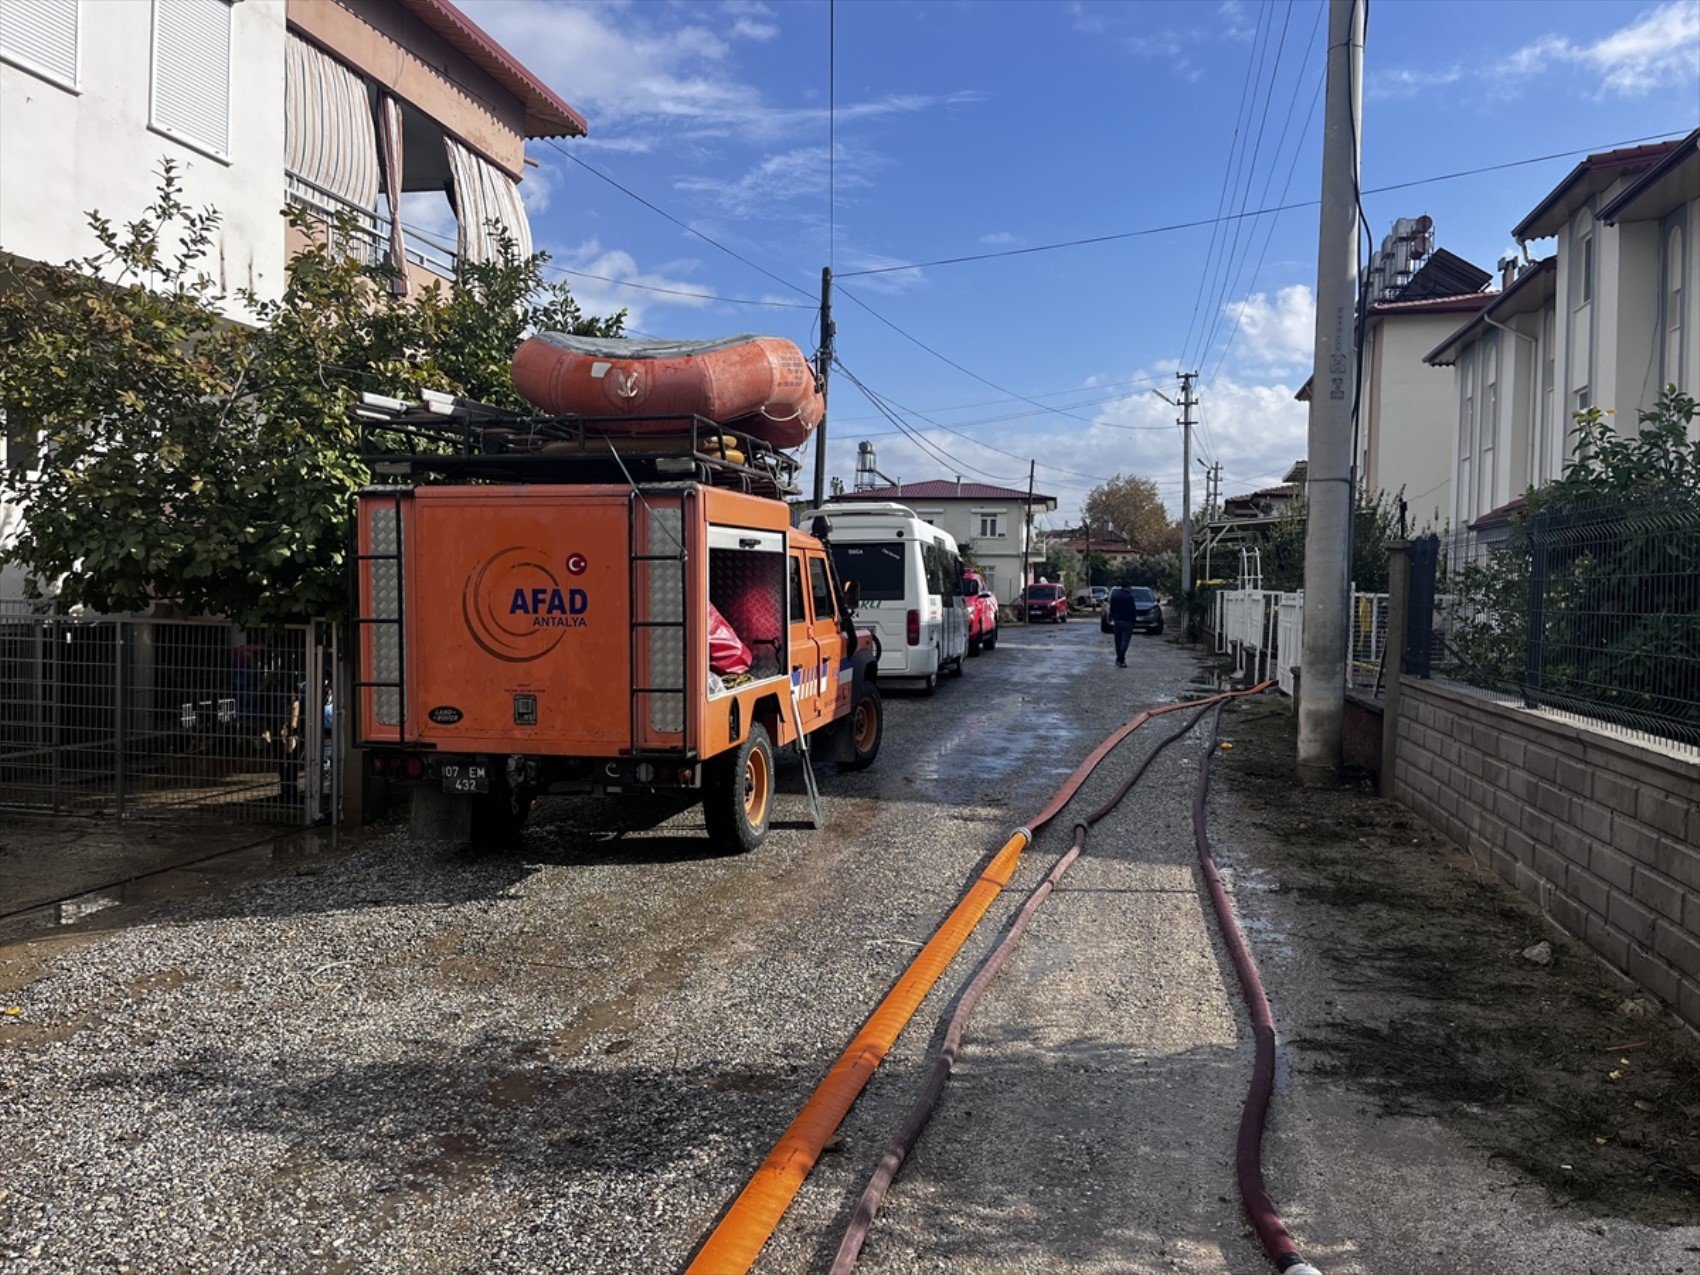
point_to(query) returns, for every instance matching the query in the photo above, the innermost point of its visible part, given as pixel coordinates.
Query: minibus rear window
(877, 569)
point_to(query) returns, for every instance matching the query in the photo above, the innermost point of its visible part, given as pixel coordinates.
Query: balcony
(429, 260)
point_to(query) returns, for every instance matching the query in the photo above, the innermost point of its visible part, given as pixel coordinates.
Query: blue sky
(981, 125)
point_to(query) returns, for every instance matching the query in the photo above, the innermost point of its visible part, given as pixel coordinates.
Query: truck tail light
(914, 629)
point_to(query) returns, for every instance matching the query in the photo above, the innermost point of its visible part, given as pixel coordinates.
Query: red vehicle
(982, 613)
(1048, 602)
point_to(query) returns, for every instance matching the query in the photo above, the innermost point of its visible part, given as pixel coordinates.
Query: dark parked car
(1148, 612)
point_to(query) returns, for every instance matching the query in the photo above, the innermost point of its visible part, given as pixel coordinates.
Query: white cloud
(1279, 331)
(635, 74)
(999, 239)
(1659, 49)
(538, 187)
(598, 296)
(1404, 83)
(1253, 427)
(778, 180)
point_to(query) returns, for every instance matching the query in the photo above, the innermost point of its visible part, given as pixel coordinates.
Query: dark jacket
(1123, 608)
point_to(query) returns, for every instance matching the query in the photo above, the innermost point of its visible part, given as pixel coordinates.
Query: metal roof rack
(461, 438)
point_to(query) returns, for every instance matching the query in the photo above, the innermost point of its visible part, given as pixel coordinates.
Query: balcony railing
(367, 236)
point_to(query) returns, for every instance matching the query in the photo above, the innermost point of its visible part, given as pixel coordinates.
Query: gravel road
(571, 1056)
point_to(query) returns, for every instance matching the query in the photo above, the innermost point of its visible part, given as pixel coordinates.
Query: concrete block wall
(1603, 834)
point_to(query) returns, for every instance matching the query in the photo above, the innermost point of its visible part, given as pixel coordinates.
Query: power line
(1261, 212)
(662, 212)
(994, 402)
(928, 448)
(1222, 195)
(945, 358)
(1231, 281)
(832, 132)
(1269, 235)
(1224, 263)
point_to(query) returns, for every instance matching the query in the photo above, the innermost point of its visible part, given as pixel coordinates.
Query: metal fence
(1264, 631)
(148, 717)
(1592, 614)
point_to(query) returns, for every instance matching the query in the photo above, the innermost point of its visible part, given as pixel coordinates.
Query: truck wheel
(867, 728)
(498, 816)
(991, 643)
(956, 666)
(737, 802)
(974, 646)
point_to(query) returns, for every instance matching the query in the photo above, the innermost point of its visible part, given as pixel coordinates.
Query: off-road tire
(865, 736)
(737, 793)
(991, 643)
(973, 646)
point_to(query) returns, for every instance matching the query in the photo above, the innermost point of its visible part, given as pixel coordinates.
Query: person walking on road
(1123, 612)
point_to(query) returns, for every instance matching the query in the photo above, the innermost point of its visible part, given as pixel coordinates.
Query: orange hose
(751, 1220)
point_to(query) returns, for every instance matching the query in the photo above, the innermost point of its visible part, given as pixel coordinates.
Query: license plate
(466, 777)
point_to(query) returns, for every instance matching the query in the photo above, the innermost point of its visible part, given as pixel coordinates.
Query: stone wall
(1603, 834)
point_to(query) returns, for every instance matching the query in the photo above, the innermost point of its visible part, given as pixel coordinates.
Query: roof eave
(1644, 185)
(546, 115)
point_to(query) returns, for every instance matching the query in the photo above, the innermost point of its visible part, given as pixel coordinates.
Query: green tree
(191, 460)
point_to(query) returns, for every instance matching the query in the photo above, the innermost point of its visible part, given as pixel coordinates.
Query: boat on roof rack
(461, 438)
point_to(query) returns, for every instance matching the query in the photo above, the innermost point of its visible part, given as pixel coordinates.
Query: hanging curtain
(389, 136)
(483, 194)
(330, 142)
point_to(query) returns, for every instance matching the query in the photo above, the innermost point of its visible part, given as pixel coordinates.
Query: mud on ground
(1559, 1071)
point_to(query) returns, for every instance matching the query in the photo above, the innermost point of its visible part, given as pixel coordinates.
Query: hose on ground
(1248, 1148)
(862, 1218)
(749, 1221)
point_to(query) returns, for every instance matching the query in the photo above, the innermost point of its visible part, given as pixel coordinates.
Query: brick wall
(1601, 833)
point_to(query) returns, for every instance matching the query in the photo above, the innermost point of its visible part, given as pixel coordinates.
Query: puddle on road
(293, 850)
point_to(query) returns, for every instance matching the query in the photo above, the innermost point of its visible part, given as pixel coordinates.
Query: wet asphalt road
(572, 1055)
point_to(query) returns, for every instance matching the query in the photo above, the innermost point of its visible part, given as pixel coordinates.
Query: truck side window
(798, 614)
(822, 590)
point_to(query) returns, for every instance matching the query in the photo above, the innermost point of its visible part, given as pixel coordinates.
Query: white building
(989, 523)
(329, 106)
(1418, 293)
(1608, 319)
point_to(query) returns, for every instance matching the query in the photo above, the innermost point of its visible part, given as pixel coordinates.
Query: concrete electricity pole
(1186, 404)
(1027, 540)
(1322, 681)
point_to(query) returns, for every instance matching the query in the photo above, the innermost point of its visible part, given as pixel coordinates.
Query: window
(1672, 267)
(877, 569)
(1463, 498)
(41, 37)
(191, 73)
(799, 615)
(1488, 434)
(1549, 369)
(821, 588)
(991, 524)
(1587, 282)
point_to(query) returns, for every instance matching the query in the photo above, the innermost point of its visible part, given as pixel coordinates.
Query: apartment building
(328, 105)
(1606, 319)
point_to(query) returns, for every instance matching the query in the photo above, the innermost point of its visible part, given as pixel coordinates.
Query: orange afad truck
(541, 607)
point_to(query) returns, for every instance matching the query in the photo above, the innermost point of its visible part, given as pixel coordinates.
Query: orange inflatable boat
(760, 385)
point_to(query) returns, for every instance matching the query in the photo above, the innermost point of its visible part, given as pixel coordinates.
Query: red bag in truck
(727, 654)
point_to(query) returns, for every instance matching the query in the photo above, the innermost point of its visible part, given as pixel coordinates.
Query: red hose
(867, 1207)
(1248, 1149)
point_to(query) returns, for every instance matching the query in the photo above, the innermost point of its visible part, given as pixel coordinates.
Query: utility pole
(1322, 681)
(1027, 540)
(1187, 402)
(823, 370)
(1212, 493)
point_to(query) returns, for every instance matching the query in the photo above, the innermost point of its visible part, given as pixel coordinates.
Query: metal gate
(148, 718)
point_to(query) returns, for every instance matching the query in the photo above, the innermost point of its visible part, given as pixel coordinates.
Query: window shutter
(191, 72)
(41, 36)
